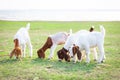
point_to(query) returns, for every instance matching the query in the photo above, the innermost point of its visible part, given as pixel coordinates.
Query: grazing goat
(52, 42)
(85, 40)
(75, 53)
(63, 53)
(20, 40)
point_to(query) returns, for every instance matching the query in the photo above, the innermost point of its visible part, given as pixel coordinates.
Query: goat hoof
(87, 62)
(48, 58)
(99, 62)
(60, 60)
(95, 59)
(74, 62)
(30, 57)
(102, 61)
(68, 61)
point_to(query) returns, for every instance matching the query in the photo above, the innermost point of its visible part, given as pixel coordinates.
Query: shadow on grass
(51, 64)
(64, 66)
(6, 59)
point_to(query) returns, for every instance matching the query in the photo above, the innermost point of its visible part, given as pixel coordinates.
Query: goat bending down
(20, 40)
(63, 53)
(75, 53)
(86, 40)
(52, 42)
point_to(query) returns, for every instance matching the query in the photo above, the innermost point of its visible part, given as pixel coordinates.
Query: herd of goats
(74, 44)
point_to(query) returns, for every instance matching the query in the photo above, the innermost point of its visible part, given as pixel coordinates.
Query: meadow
(44, 69)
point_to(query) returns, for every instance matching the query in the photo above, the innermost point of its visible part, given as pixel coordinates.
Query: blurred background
(60, 10)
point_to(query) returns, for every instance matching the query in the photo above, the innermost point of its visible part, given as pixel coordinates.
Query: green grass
(43, 69)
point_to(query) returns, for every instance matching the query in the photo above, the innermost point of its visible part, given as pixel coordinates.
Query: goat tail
(102, 29)
(91, 29)
(28, 26)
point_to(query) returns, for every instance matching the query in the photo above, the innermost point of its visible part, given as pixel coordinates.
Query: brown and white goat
(86, 40)
(52, 42)
(21, 38)
(64, 53)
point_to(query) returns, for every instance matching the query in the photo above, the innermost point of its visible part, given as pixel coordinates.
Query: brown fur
(62, 54)
(76, 50)
(17, 50)
(41, 51)
(16, 42)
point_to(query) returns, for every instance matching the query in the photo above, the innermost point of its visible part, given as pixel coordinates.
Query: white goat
(23, 39)
(86, 40)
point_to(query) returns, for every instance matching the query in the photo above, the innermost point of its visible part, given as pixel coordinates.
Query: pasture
(43, 69)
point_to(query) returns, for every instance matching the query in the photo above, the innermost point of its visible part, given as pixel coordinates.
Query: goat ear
(59, 53)
(79, 54)
(12, 53)
(19, 52)
(74, 50)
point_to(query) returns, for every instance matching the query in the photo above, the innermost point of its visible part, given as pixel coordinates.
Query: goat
(52, 42)
(85, 40)
(21, 38)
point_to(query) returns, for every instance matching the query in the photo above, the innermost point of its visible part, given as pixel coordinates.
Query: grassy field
(43, 69)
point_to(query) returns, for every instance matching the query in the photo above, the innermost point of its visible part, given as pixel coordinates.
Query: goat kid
(86, 40)
(63, 53)
(21, 38)
(52, 42)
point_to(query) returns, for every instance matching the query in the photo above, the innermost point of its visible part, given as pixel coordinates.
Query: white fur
(58, 39)
(23, 37)
(86, 40)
